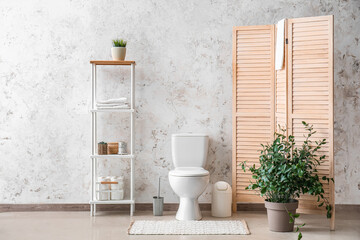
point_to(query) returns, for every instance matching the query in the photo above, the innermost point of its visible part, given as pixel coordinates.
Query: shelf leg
(132, 209)
(91, 210)
(94, 210)
(132, 144)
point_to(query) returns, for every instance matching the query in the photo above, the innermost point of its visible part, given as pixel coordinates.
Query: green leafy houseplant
(119, 43)
(286, 171)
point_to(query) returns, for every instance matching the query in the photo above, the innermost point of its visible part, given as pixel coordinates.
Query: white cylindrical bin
(221, 200)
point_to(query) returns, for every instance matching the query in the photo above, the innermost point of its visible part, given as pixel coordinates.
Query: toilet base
(188, 210)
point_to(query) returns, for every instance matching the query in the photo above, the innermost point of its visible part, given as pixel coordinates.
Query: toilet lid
(189, 172)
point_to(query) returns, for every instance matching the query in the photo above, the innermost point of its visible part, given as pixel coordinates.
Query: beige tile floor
(114, 225)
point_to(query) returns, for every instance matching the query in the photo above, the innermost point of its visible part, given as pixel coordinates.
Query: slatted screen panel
(253, 101)
(310, 92)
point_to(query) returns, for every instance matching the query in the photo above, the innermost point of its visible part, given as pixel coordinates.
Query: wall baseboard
(138, 207)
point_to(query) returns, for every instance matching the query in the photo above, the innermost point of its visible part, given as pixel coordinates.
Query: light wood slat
(311, 65)
(254, 52)
(254, 102)
(323, 23)
(254, 127)
(253, 48)
(252, 44)
(306, 98)
(255, 90)
(265, 70)
(257, 61)
(253, 107)
(263, 37)
(245, 74)
(252, 57)
(310, 106)
(311, 89)
(311, 47)
(248, 28)
(314, 94)
(311, 74)
(317, 70)
(313, 121)
(311, 84)
(252, 81)
(252, 77)
(253, 32)
(263, 121)
(310, 52)
(251, 98)
(310, 57)
(263, 94)
(308, 28)
(255, 65)
(310, 61)
(311, 43)
(310, 38)
(324, 32)
(251, 40)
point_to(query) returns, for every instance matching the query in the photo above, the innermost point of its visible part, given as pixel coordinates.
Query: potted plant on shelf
(285, 172)
(118, 51)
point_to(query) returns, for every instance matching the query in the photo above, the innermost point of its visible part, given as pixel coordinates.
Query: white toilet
(189, 179)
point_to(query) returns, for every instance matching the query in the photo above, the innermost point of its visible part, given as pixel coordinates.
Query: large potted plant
(285, 172)
(118, 51)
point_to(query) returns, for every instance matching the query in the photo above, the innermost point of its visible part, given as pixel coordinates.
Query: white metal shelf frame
(94, 156)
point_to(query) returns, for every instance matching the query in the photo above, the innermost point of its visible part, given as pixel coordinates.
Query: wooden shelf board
(111, 62)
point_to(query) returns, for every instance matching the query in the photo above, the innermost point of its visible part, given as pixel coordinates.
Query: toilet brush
(158, 203)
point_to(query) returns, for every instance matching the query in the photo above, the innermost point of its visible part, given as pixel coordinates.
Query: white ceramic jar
(117, 190)
(122, 148)
(118, 53)
(103, 193)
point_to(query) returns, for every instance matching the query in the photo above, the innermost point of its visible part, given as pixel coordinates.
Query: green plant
(102, 142)
(119, 43)
(286, 171)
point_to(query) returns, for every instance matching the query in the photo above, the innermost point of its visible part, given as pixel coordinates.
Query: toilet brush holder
(158, 205)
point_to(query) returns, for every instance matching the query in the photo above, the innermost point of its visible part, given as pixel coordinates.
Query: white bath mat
(146, 227)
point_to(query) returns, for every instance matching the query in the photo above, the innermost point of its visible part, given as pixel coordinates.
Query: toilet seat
(189, 172)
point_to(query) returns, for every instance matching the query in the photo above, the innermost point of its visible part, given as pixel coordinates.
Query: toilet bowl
(189, 184)
(189, 179)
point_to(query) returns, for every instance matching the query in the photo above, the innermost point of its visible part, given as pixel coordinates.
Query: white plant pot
(118, 53)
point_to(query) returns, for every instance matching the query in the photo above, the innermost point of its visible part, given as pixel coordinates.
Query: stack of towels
(116, 103)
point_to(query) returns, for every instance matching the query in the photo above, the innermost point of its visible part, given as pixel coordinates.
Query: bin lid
(222, 186)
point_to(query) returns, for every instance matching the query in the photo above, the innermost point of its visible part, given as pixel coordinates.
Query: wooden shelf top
(111, 62)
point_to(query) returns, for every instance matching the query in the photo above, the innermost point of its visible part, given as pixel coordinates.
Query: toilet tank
(189, 149)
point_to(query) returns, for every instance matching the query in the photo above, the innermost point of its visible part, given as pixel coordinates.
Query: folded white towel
(110, 104)
(113, 100)
(280, 38)
(124, 106)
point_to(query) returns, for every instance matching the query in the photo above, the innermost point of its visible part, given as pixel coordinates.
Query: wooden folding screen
(264, 98)
(253, 103)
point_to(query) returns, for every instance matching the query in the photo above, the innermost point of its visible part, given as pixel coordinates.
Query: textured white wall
(183, 53)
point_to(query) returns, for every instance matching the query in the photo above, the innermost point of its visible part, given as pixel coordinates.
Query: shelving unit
(94, 156)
